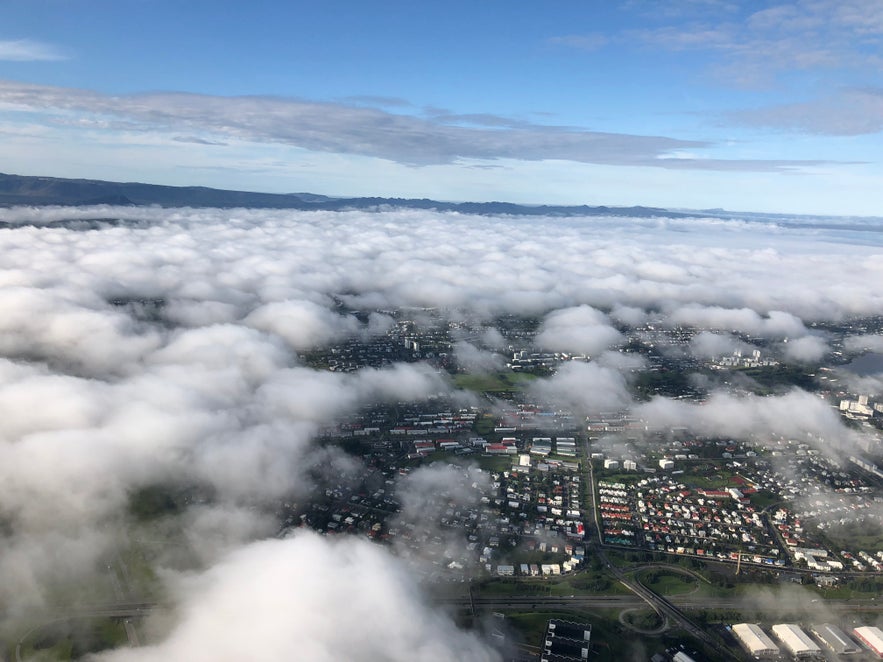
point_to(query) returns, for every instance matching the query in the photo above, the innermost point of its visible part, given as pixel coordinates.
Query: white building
(872, 637)
(835, 639)
(755, 640)
(796, 640)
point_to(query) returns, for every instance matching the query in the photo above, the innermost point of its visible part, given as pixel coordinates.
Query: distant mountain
(20, 190)
(37, 191)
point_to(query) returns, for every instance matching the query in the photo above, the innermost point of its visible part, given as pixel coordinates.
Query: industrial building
(872, 637)
(755, 641)
(797, 641)
(566, 641)
(835, 639)
(681, 656)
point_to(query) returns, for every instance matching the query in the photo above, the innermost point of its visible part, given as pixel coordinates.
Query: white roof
(795, 639)
(872, 636)
(754, 638)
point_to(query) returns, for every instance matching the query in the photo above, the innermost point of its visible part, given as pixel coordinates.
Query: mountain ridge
(17, 190)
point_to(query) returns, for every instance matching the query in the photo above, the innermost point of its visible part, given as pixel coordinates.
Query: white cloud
(708, 345)
(355, 130)
(864, 343)
(583, 387)
(775, 324)
(809, 349)
(471, 358)
(578, 330)
(308, 598)
(795, 415)
(196, 380)
(302, 324)
(28, 50)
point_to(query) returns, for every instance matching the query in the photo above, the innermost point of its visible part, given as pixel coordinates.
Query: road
(582, 602)
(669, 607)
(662, 606)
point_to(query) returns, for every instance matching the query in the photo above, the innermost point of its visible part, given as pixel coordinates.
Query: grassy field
(644, 619)
(764, 499)
(484, 425)
(667, 583)
(74, 638)
(499, 382)
(866, 536)
(581, 583)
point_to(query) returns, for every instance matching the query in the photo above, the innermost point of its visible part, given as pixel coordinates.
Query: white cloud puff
(308, 598)
(579, 330)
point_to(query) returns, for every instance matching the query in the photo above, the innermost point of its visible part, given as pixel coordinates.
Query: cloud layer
(308, 598)
(167, 348)
(420, 140)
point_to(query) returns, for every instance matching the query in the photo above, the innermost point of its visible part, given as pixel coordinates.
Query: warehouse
(566, 641)
(755, 640)
(570, 630)
(872, 637)
(797, 641)
(835, 639)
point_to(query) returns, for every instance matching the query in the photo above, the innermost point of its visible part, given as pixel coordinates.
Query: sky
(755, 106)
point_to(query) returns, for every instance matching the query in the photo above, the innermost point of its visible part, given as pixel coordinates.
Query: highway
(584, 602)
(662, 606)
(670, 608)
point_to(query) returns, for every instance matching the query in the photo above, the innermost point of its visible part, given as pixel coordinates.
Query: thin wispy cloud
(846, 112)
(441, 138)
(584, 42)
(752, 49)
(28, 50)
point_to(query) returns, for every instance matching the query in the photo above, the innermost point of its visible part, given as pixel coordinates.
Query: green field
(866, 536)
(73, 638)
(642, 619)
(667, 582)
(586, 582)
(500, 382)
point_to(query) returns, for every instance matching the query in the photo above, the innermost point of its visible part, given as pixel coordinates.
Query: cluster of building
(531, 417)
(671, 451)
(662, 514)
(563, 446)
(613, 422)
(547, 506)
(863, 408)
(736, 360)
(353, 354)
(821, 559)
(716, 523)
(524, 360)
(616, 515)
(798, 644)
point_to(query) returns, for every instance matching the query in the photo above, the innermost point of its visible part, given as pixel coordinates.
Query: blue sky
(761, 106)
